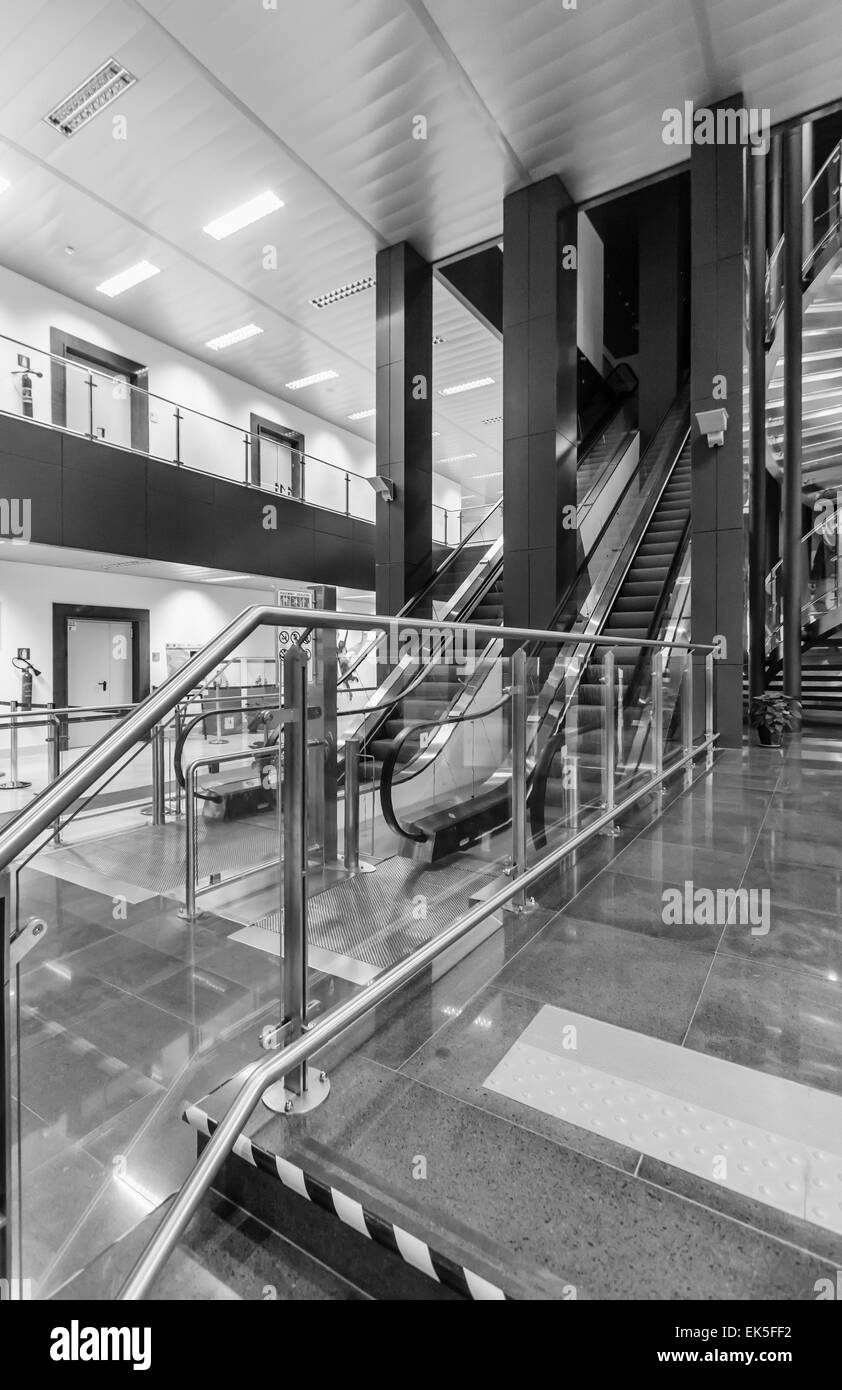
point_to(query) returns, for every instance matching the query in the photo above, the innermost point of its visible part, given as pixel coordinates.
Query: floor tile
(622, 977)
(773, 1020)
(126, 963)
(460, 1058)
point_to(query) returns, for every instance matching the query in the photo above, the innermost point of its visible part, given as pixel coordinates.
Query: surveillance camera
(384, 487)
(713, 423)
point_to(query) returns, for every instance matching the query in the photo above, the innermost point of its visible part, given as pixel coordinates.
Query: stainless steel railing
(299, 1038)
(312, 1037)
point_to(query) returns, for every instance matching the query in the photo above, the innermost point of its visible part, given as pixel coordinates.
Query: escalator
(635, 613)
(469, 588)
(620, 590)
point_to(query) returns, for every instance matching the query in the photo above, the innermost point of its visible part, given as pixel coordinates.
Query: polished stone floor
(126, 1020)
(543, 1206)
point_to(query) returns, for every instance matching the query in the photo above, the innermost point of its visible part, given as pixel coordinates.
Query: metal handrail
(41, 812)
(283, 1062)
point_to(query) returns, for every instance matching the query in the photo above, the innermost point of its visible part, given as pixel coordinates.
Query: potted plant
(771, 714)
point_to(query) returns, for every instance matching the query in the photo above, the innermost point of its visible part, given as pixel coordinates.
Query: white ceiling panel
(317, 102)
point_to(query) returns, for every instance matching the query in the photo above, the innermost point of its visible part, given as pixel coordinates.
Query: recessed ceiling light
(310, 380)
(244, 215)
(70, 250)
(90, 97)
(4, 184)
(237, 335)
(456, 458)
(468, 386)
(135, 275)
(228, 578)
(321, 301)
(477, 476)
(362, 414)
(436, 434)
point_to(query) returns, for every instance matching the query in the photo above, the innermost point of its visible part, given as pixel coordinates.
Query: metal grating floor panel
(152, 857)
(381, 917)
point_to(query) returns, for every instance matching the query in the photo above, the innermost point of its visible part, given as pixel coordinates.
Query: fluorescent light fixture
(127, 279)
(456, 458)
(229, 578)
(362, 414)
(237, 335)
(468, 386)
(311, 380)
(243, 216)
(321, 301)
(90, 97)
(4, 184)
(477, 476)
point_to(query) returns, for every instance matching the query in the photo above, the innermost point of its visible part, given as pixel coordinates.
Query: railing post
(609, 758)
(91, 389)
(54, 765)
(178, 417)
(159, 808)
(347, 494)
(176, 735)
(709, 693)
(352, 805)
(658, 711)
(299, 1091)
(246, 448)
(189, 912)
(520, 829)
(14, 783)
(687, 717)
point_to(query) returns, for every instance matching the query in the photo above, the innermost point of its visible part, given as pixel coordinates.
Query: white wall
(178, 612)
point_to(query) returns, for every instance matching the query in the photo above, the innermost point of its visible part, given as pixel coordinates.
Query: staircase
(821, 684)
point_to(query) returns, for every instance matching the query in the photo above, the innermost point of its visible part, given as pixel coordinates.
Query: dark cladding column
(539, 400)
(758, 562)
(718, 532)
(660, 295)
(403, 545)
(791, 567)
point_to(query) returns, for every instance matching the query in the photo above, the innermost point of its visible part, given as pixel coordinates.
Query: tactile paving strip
(153, 857)
(791, 1162)
(381, 917)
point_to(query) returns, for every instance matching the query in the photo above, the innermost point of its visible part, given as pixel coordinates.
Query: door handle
(103, 685)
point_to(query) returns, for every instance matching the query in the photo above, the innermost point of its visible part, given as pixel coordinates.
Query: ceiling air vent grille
(90, 97)
(322, 301)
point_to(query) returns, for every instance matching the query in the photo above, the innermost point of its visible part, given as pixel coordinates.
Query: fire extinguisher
(25, 388)
(27, 672)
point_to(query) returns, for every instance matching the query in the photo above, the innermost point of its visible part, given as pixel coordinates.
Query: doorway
(277, 457)
(100, 657)
(95, 394)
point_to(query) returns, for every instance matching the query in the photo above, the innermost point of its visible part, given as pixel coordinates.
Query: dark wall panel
(90, 496)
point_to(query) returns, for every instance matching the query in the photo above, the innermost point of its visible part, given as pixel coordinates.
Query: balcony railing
(92, 404)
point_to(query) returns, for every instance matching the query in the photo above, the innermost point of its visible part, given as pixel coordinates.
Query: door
(99, 672)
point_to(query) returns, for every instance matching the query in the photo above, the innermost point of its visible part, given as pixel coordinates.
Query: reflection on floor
(126, 1020)
(551, 1203)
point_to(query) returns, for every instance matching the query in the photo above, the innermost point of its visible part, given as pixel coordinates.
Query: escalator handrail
(660, 607)
(422, 593)
(413, 832)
